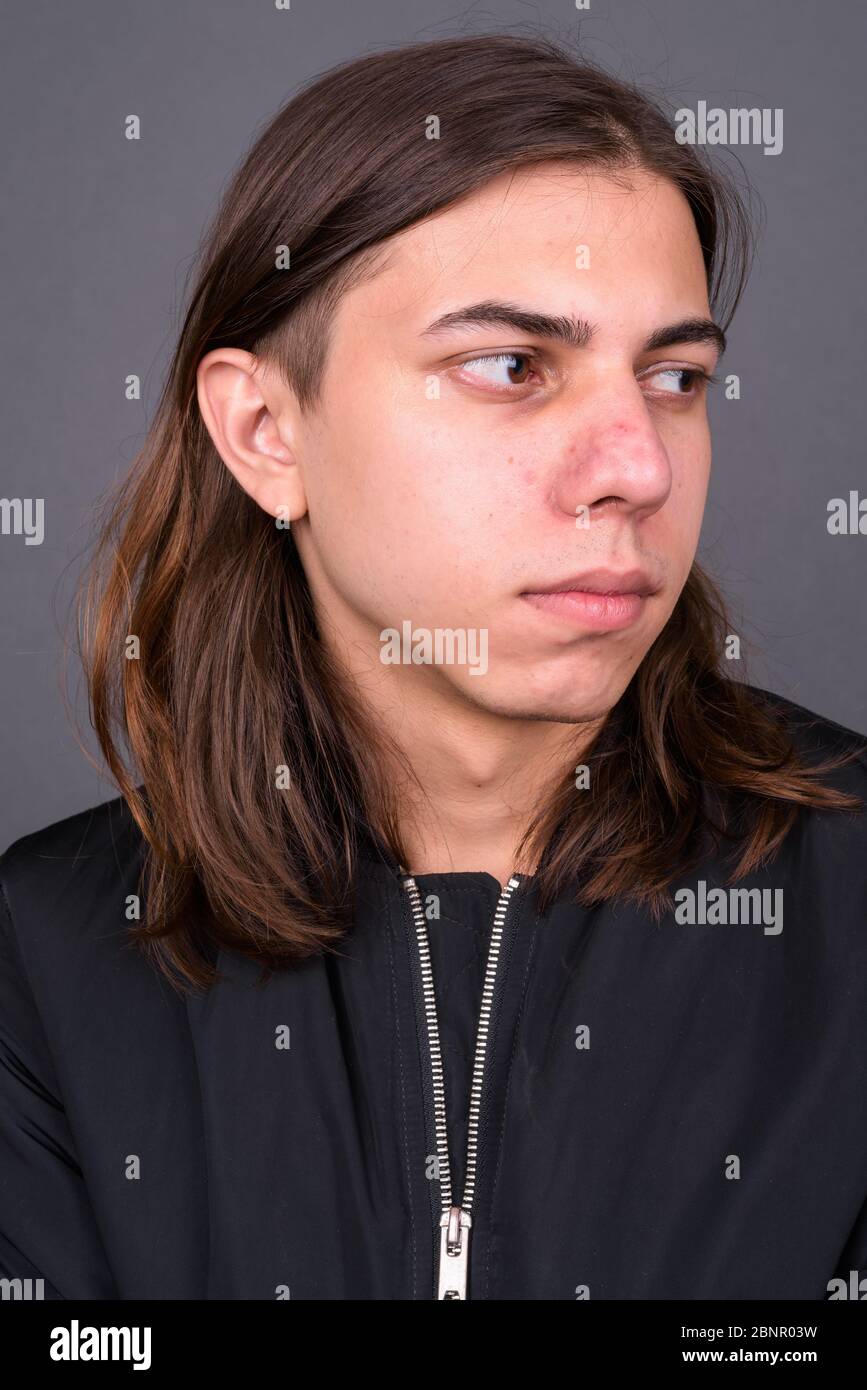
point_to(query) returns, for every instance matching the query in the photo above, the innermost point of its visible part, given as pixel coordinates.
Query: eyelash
(702, 378)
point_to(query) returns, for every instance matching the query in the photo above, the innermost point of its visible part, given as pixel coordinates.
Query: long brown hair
(232, 680)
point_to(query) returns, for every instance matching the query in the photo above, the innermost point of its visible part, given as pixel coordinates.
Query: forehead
(521, 234)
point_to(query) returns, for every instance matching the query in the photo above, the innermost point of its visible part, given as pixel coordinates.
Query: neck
(467, 784)
(465, 781)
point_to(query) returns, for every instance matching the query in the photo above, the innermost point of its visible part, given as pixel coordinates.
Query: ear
(251, 417)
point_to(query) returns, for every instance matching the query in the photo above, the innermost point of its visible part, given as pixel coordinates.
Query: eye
(679, 381)
(502, 368)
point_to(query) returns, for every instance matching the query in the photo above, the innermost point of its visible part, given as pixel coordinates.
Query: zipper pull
(455, 1224)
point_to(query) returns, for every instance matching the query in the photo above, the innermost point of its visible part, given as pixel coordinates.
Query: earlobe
(240, 410)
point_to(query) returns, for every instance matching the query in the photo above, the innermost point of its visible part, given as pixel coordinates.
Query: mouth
(599, 600)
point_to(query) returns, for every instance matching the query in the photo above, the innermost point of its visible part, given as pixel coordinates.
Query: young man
(562, 928)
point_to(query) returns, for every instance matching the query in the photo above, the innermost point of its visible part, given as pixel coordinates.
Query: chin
(579, 704)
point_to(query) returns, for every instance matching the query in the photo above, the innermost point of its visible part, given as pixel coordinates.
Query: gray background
(100, 233)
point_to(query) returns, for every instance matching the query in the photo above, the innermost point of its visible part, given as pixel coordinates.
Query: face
(457, 467)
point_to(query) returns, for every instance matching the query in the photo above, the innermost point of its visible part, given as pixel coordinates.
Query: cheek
(407, 509)
(448, 483)
(689, 453)
(685, 510)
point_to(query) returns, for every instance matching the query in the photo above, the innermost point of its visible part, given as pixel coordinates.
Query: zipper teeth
(433, 1035)
(481, 1042)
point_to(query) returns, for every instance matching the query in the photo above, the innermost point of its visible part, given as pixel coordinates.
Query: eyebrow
(574, 332)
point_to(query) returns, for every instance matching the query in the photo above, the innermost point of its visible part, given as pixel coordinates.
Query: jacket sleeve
(47, 1227)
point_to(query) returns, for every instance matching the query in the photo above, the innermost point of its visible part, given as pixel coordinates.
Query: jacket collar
(377, 860)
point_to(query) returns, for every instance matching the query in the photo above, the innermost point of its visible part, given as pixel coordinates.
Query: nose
(615, 459)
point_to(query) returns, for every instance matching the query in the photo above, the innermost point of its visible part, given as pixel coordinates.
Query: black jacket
(709, 1142)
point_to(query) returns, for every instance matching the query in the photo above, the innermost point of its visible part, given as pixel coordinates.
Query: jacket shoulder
(68, 869)
(105, 831)
(807, 727)
(816, 737)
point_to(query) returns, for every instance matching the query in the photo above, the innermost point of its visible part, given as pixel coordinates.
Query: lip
(601, 600)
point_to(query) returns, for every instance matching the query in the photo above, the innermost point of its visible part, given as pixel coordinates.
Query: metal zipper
(456, 1221)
